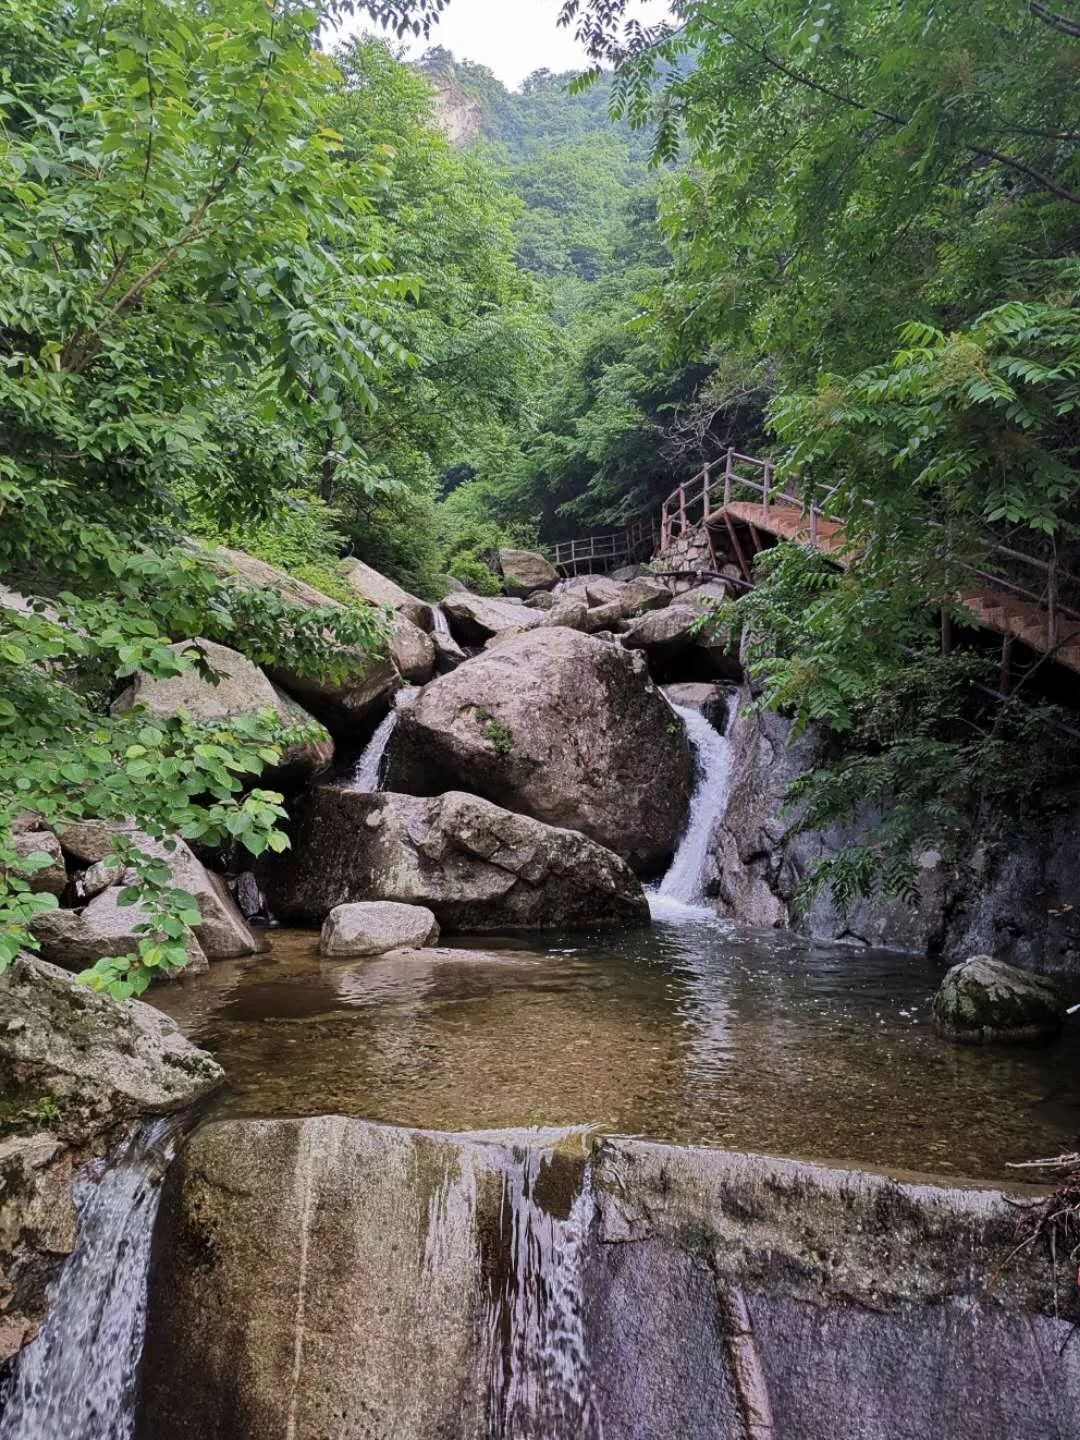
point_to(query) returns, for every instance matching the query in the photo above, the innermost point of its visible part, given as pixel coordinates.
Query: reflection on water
(700, 1032)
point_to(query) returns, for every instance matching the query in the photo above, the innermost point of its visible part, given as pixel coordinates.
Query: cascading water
(680, 892)
(439, 622)
(77, 1380)
(539, 1384)
(366, 775)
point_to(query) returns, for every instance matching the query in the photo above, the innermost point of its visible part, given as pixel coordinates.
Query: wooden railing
(635, 541)
(706, 498)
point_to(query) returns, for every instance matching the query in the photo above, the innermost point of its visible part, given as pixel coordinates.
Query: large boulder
(346, 706)
(663, 634)
(239, 688)
(982, 1000)
(378, 589)
(412, 651)
(475, 618)
(78, 940)
(474, 866)
(373, 927)
(713, 701)
(51, 879)
(97, 1060)
(73, 1066)
(524, 572)
(222, 931)
(559, 726)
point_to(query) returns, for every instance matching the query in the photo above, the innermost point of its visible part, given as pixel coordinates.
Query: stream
(691, 1031)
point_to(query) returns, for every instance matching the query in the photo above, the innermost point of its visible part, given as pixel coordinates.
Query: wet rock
(524, 572)
(374, 927)
(240, 688)
(680, 1294)
(95, 1059)
(476, 867)
(663, 634)
(475, 618)
(250, 900)
(561, 727)
(381, 590)
(53, 879)
(73, 1066)
(347, 706)
(982, 1001)
(712, 701)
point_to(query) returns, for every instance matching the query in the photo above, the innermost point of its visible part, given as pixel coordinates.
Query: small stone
(983, 1001)
(100, 876)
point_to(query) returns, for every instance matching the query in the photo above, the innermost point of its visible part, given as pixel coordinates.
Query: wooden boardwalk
(737, 505)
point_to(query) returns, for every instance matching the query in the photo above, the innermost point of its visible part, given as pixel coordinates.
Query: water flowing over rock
(78, 1377)
(78, 1063)
(240, 688)
(559, 726)
(475, 866)
(683, 885)
(368, 773)
(329, 1276)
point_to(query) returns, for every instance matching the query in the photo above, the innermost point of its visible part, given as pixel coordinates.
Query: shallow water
(698, 1032)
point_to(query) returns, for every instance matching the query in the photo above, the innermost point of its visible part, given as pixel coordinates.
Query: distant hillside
(579, 175)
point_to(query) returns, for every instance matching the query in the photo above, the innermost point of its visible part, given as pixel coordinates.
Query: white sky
(513, 37)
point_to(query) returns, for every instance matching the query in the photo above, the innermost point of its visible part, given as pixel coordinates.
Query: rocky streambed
(411, 1208)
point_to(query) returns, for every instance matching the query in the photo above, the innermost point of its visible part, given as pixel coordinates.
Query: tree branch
(1056, 22)
(1011, 161)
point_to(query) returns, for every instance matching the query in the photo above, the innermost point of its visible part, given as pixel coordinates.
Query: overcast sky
(514, 37)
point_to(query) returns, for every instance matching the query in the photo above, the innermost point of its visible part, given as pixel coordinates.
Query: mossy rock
(983, 1001)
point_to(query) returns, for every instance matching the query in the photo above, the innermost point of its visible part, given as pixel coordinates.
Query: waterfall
(539, 1384)
(77, 1380)
(366, 775)
(680, 891)
(439, 623)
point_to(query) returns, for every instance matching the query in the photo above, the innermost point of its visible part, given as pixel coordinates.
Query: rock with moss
(74, 1065)
(562, 727)
(983, 1001)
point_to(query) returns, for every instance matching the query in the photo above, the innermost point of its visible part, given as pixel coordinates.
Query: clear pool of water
(694, 1031)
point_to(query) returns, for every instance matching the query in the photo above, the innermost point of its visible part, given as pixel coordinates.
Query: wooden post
(682, 509)
(705, 495)
(813, 523)
(743, 566)
(766, 487)
(946, 633)
(665, 529)
(1006, 664)
(729, 471)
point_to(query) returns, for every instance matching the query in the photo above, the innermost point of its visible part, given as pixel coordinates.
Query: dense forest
(251, 295)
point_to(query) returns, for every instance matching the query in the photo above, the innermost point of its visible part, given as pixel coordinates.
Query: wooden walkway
(737, 505)
(714, 504)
